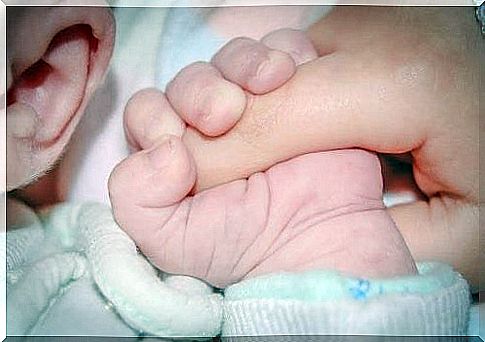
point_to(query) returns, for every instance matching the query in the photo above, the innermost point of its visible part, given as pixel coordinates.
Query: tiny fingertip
(272, 72)
(223, 112)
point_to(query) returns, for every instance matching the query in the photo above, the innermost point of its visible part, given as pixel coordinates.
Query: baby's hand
(316, 211)
(211, 97)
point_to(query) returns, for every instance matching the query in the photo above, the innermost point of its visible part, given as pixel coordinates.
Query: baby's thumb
(144, 187)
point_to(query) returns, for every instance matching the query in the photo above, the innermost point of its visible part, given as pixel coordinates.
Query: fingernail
(162, 153)
(262, 68)
(207, 106)
(270, 64)
(272, 72)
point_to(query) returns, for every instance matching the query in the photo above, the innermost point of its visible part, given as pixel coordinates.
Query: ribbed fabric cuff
(442, 311)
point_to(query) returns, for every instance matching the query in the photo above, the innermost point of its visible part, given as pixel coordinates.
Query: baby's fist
(211, 97)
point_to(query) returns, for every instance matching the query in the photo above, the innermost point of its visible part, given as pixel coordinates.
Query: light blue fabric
(477, 319)
(83, 242)
(186, 39)
(86, 247)
(331, 285)
(435, 302)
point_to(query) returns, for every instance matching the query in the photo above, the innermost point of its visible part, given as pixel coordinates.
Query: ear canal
(55, 85)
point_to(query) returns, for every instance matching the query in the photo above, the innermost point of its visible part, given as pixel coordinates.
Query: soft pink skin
(56, 57)
(317, 211)
(211, 97)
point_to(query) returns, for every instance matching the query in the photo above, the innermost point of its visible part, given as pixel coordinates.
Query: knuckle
(183, 77)
(195, 69)
(237, 43)
(242, 49)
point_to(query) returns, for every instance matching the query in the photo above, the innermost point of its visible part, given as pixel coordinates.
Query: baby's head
(56, 56)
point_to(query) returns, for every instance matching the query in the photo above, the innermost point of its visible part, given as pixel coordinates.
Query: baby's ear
(56, 56)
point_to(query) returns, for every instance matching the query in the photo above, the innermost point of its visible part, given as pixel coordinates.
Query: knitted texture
(84, 240)
(436, 302)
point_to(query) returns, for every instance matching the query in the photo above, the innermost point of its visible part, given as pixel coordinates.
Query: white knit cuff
(443, 310)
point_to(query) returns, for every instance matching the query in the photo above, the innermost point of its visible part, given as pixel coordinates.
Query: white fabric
(88, 235)
(93, 257)
(444, 312)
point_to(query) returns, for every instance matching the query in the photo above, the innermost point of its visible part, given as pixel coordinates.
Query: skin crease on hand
(382, 88)
(329, 216)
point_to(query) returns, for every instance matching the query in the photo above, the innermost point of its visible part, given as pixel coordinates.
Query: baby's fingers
(209, 96)
(296, 43)
(254, 66)
(205, 100)
(145, 187)
(148, 116)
